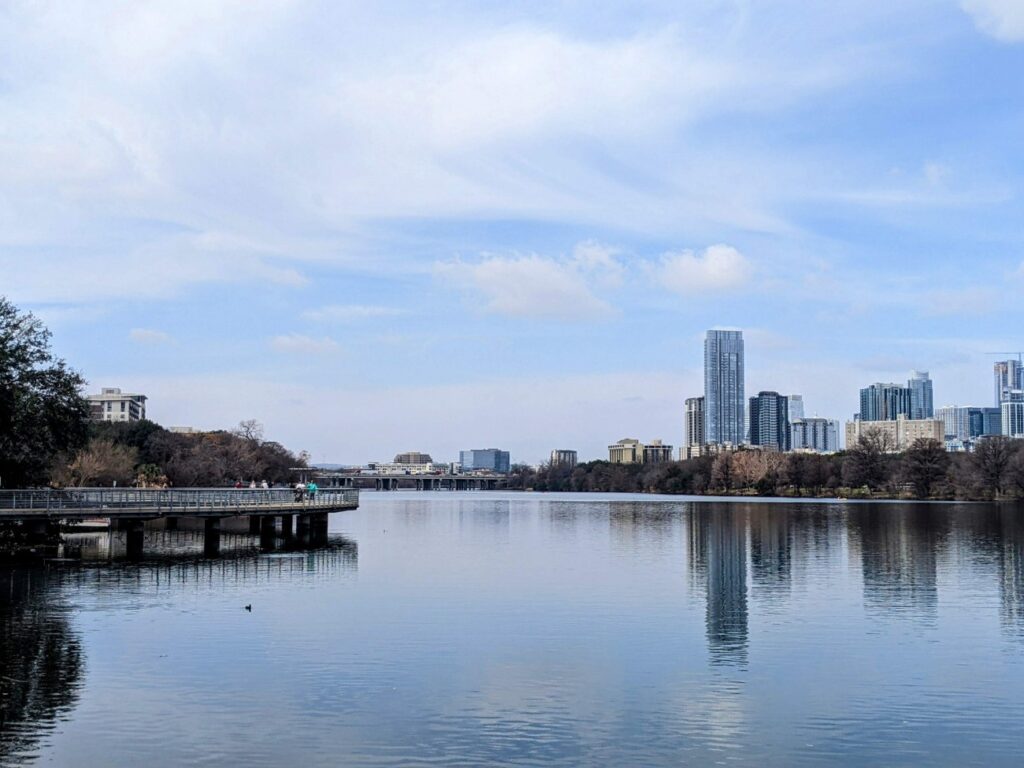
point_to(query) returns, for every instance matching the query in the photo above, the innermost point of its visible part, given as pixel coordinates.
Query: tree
(990, 464)
(865, 462)
(925, 465)
(102, 462)
(42, 411)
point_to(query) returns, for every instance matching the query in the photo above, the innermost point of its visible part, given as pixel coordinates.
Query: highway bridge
(395, 480)
(271, 511)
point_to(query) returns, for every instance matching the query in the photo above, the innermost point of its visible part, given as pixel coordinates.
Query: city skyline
(510, 225)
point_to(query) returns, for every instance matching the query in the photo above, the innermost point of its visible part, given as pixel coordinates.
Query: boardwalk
(271, 512)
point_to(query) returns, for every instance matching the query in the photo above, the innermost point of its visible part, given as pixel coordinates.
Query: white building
(111, 404)
(1012, 413)
(898, 434)
(957, 422)
(814, 434)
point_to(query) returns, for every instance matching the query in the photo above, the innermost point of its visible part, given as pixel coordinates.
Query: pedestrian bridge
(40, 511)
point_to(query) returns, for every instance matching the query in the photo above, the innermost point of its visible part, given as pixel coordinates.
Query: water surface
(517, 629)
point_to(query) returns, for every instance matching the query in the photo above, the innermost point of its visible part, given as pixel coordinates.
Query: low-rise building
(111, 404)
(413, 457)
(897, 434)
(631, 451)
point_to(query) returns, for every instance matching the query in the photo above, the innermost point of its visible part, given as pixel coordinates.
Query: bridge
(392, 481)
(271, 511)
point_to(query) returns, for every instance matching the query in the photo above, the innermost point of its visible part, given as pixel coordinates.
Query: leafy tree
(925, 465)
(42, 411)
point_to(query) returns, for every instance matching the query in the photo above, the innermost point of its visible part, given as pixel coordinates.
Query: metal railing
(169, 501)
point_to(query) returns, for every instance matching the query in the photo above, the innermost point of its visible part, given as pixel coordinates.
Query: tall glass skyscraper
(1009, 375)
(724, 401)
(769, 421)
(922, 405)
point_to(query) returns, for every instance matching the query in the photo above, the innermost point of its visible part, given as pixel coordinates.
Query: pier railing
(170, 501)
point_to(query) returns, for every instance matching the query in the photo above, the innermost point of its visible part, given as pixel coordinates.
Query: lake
(536, 629)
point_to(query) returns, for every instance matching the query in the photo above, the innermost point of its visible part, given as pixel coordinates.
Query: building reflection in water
(771, 550)
(718, 557)
(41, 661)
(1011, 568)
(900, 549)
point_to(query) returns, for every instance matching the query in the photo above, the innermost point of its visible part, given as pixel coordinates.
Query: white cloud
(1002, 19)
(344, 313)
(536, 286)
(299, 344)
(150, 336)
(717, 268)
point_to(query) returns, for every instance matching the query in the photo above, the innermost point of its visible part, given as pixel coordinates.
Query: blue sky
(409, 226)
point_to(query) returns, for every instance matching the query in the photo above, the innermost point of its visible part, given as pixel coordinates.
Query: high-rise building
(724, 401)
(957, 422)
(921, 398)
(1012, 413)
(884, 402)
(111, 404)
(561, 457)
(1009, 375)
(985, 422)
(796, 407)
(769, 421)
(485, 459)
(694, 427)
(814, 434)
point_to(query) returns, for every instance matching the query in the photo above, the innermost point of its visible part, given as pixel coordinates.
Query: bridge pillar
(318, 529)
(254, 525)
(211, 537)
(267, 532)
(170, 523)
(286, 526)
(134, 536)
(302, 527)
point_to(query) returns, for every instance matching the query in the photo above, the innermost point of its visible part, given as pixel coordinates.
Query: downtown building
(1012, 414)
(485, 460)
(815, 435)
(562, 457)
(694, 440)
(1009, 376)
(724, 400)
(897, 434)
(769, 421)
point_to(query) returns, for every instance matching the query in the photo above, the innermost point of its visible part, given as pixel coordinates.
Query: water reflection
(41, 661)
(718, 543)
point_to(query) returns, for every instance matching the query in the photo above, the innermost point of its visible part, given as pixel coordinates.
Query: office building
(984, 422)
(111, 404)
(1012, 414)
(921, 397)
(769, 421)
(1009, 375)
(631, 451)
(694, 428)
(413, 457)
(724, 401)
(884, 402)
(814, 434)
(796, 407)
(898, 434)
(561, 457)
(957, 422)
(485, 459)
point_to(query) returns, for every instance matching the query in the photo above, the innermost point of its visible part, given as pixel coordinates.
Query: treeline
(143, 453)
(995, 470)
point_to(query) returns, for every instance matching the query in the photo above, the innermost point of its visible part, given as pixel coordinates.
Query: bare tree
(925, 465)
(250, 430)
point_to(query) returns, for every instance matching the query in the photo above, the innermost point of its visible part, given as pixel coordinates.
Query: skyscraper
(814, 434)
(796, 407)
(1009, 375)
(921, 398)
(769, 421)
(1012, 416)
(694, 427)
(884, 402)
(724, 402)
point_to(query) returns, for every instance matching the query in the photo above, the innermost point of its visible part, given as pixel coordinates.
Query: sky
(433, 226)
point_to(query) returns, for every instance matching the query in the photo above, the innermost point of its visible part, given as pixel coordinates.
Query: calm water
(473, 629)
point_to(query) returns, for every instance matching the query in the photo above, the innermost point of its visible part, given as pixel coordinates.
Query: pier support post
(211, 537)
(318, 529)
(170, 523)
(254, 525)
(302, 528)
(267, 532)
(134, 536)
(286, 526)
